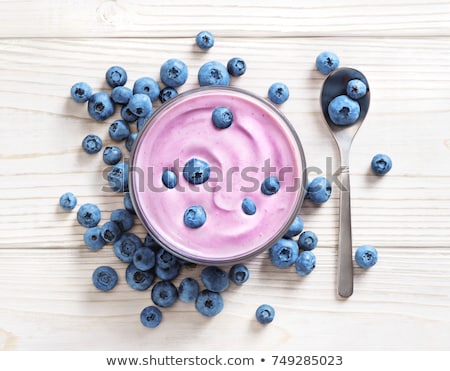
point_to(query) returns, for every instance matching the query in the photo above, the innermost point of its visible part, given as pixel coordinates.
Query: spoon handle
(345, 262)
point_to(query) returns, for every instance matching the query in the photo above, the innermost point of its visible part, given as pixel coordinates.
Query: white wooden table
(47, 300)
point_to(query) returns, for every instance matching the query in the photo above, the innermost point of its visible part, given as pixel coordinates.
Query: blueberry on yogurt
(194, 216)
(248, 206)
(270, 185)
(196, 171)
(343, 110)
(169, 178)
(222, 117)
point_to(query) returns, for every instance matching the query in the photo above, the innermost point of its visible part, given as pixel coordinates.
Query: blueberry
(165, 259)
(88, 215)
(91, 144)
(119, 130)
(236, 66)
(366, 256)
(270, 185)
(327, 62)
(130, 141)
(295, 228)
(343, 110)
(118, 177)
(204, 40)
(284, 253)
(305, 264)
(356, 89)
(170, 273)
(188, 290)
(128, 203)
(116, 76)
(278, 93)
(194, 216)
(167, 93)
(127, 115)
(112, 155)
(126, 246)
(164, 294)
(209, 303)
(140, 105)
(173, 73)
(80, 92)
(93, 238)
(141, 121)
(265, 314)
(239, 274)
(319, 190)
(215, 279)
(169, 178)
(248, 206)
(144, 258)
(213, 73)
(196, 171)
(121, 94)
(307, 241)
(100, 106)
(147, 85)
(222, 117)
(68, 201)
(111, 232)
(151, 316)
(381, 164)
(138, 279)
(150, 242)
(105, 278)
(123, 218)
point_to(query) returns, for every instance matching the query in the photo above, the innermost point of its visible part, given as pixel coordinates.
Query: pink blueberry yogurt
(259, 143)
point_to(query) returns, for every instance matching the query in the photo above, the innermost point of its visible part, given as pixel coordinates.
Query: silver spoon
(335, 84)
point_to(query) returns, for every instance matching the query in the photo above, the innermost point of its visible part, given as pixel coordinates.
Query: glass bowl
(260, 143)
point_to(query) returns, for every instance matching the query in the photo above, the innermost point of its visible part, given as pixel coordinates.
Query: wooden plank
(47, 302)
(41, 155)
(178, 18)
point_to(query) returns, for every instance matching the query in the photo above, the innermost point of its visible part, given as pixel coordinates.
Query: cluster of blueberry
(147, 261)
(343, 109)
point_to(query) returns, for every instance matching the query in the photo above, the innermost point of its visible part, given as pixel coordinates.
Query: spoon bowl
(334, 85)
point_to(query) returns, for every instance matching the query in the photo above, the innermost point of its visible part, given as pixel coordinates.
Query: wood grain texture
(236, 18)
(47, 300)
